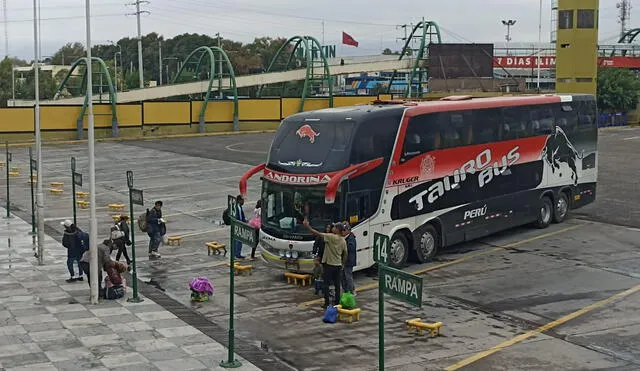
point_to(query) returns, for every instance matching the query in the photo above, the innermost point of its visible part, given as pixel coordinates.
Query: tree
(388, 51)
(618, 89)
(5, 81)
(68, 54)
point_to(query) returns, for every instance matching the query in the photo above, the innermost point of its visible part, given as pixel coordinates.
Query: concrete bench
(82, 194)
(215, 248)
(348, 315)
(418, 326)
(115, 218)
(116, 207)
(15, 170)
(297, 276)
(14, 174)
(239, 269)
(174, 240)
(83, 204)
(57, 184)
(56, 191)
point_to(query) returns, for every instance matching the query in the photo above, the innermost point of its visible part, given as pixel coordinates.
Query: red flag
(348, 40)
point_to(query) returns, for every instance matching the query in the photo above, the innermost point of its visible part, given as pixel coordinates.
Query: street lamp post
(508, 24)
(93, 224)
(115, 62)
(39, 193)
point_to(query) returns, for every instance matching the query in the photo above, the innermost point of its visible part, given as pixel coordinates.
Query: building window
(565, 19)
(586, 18)
(584, 79)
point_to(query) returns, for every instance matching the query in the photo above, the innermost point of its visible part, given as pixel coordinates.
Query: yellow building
(577, 46)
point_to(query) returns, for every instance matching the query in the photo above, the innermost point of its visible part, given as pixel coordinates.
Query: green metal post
(33, 199)
(7, 166)
(134, 273)
(380, 320)
(73, 190)
(231, 362)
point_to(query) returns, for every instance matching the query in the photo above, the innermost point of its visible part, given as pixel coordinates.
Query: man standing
(156, 228)
(333, 259)
(74, 249)
(347, 272)
(240, 216)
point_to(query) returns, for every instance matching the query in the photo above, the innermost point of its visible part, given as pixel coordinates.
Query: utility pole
(625, 15)
(219, 66)
(140, 62)
(160, 60)
(539, 44)
(6, 28)
(323, 32)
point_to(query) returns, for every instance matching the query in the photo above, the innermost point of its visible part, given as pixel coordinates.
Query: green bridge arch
(89, 95)
(428, 32)
(317, 67)
(197, 57)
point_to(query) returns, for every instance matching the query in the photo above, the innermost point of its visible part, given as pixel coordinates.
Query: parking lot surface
(565, 297)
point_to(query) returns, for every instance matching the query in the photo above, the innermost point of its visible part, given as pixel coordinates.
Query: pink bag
(255, 222)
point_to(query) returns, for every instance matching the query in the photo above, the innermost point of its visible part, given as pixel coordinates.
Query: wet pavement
(485, 292)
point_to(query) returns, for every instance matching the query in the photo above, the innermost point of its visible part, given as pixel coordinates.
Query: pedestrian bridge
(355, 65)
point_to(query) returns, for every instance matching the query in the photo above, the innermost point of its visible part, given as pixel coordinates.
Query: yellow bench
(416, 325)
(116, 218)
(348, 314)
(82, 194)
(174, 240)
(32, 181)
(215, 247)
(116, 207)
(57, 184)
(241, 268)
(83, 204)
(14, 174)
(297, 276)
(15, 169)
(2, 163)
(56, 191)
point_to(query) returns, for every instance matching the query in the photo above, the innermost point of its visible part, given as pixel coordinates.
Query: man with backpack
(155, 228)
(237, 249)
(74, 247)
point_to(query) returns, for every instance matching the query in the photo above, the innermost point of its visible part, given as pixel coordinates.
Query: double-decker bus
(428, 174)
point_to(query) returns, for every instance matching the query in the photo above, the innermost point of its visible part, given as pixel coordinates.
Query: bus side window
(422, 136)
(487, 126)
(541, 120)
(455, 129)
(567, 119)
(515, 123)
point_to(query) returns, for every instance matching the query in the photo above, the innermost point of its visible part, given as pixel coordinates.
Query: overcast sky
(371, 22)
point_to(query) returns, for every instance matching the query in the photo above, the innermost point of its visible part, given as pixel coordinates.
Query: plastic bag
(330, 315)
(255, 222)
(348, 301)
(165, 239)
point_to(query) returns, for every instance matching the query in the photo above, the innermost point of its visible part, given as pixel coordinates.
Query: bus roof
(452, 103)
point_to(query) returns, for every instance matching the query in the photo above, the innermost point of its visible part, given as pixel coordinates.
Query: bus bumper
(287, 264)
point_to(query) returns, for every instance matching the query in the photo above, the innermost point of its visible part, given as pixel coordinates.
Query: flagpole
(539, 43)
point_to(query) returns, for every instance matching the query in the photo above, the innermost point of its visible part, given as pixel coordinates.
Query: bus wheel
(545, 213)
(399, 250)
(427, 245)
(562, 208)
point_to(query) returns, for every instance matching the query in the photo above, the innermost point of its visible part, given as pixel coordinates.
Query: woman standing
(255, 222)
(122, 241)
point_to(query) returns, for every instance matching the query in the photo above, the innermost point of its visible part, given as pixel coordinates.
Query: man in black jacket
(156, 228)
(74, 249)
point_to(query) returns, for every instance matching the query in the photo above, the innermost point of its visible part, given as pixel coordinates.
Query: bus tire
(545, 212)
(399, 250)
(426, 243)
(561, 209)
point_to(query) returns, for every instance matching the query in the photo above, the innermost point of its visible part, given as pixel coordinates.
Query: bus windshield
(284, 207)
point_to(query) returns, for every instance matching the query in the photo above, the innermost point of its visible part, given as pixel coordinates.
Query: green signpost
(396, 283)
(76, 180)
(135, 197)
(246, 234)
(33, 166)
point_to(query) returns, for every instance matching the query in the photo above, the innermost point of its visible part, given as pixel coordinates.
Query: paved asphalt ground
(523, 299)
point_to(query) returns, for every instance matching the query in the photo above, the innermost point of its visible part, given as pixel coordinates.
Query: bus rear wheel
(398, 251)
(562, 208)
(427, 243)
(545, 212)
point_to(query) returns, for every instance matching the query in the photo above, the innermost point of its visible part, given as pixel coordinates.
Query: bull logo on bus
(481, 164)
(558, 150)
(308, 132)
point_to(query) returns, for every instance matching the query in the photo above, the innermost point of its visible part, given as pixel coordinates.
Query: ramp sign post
(396, 283)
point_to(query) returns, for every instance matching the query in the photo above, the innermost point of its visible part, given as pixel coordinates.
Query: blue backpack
(330, 315)
(82, 239)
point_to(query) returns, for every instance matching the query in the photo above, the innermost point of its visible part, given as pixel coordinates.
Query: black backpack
(225, 217)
